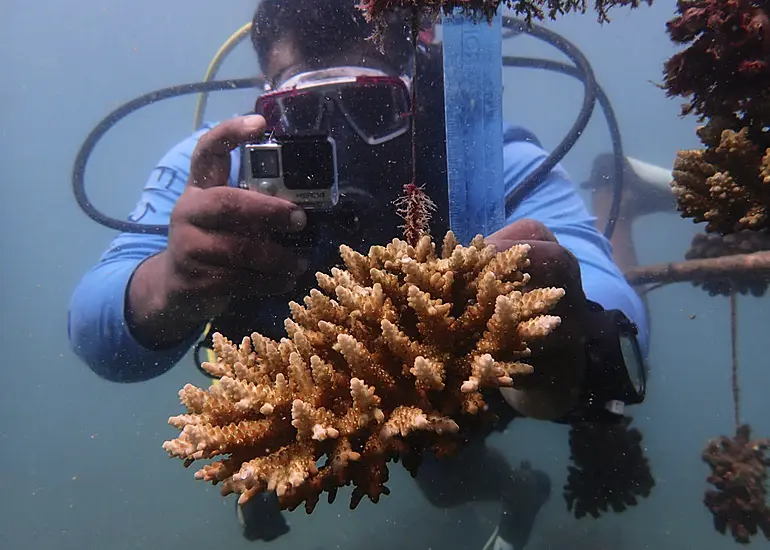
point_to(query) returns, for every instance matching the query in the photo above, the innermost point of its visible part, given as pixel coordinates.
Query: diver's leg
(526, 491)
(475, 474)
(482, 473)
(260, 518)
(646, 191)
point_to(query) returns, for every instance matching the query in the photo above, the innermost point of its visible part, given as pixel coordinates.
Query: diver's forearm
(157, 318)
(623, 248)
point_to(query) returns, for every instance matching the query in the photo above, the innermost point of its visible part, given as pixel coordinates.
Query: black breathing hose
(81, 160)
(582, 71)
(619, 161)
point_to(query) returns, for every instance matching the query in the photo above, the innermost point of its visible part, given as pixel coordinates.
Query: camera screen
(264, 163)
(308, 163)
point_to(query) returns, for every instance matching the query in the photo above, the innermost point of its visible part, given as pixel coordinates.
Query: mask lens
(295, 111)
(376, 107)
(378, 111)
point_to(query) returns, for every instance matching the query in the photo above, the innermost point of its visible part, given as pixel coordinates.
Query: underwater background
(81, 458)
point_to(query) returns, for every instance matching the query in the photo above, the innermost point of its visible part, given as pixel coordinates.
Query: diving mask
(376, 105)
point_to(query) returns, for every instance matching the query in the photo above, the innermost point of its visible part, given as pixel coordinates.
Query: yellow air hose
(236, 38)
(200, 110)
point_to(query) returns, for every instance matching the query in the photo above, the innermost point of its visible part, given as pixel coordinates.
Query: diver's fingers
(210, 164)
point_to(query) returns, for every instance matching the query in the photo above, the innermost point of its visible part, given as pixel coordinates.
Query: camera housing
(298, 168)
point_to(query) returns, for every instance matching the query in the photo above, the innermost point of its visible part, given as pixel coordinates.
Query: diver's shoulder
(514, 133)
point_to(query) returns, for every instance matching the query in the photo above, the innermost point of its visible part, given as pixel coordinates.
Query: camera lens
(264, 163)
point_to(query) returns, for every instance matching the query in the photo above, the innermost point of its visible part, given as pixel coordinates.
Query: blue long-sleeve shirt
(98, 330)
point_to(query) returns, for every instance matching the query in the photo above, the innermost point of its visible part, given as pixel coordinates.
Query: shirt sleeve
(557, 204)
(97, 327)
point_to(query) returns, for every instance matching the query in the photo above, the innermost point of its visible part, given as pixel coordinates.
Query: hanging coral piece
(738, 500)
(727, 184)
(415, 208)
(724, 73)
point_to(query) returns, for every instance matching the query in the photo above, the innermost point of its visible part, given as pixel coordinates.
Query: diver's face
(371, 176)
(358, 160)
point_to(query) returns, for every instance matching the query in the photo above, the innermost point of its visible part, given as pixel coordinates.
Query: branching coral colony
(724, 72)
(390, 358)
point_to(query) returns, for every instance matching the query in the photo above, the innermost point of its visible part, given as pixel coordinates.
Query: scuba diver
(234, 257)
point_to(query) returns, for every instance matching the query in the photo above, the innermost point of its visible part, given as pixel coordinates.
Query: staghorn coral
(727, 184)
(738, 475)
(388, 359)
(610, 469)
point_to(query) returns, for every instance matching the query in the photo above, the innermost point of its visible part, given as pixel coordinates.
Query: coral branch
(392, 357)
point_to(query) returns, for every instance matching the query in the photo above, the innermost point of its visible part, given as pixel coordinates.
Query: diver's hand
(559, 359)
(219, 245)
